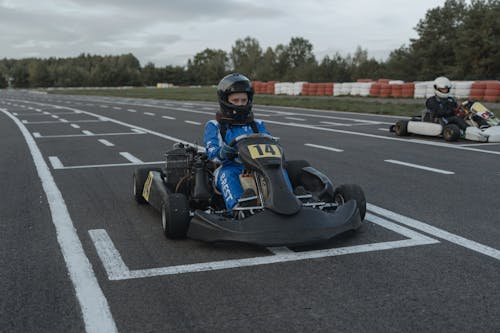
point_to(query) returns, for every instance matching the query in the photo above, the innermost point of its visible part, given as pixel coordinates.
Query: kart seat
(426, 116)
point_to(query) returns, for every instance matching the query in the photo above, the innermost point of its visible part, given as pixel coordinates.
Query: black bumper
(266, 228)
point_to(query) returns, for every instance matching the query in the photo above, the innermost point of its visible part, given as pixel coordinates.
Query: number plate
(264, 150)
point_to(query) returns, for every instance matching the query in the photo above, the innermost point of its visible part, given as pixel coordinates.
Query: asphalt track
(78, 254)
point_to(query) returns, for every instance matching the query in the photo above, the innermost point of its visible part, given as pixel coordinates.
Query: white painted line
(436, 232)
(118, 270)
(136, 130)
(168, 117)
(47, 113)
(56, 162)
(103, 119)
(117, 108)
(75, 126)
(293, 118)
(95, 166)
(36, 134)
(106, 143)
(264, 115)
(192, 122)
(87, 132)
(85, 135)
(38, 110)
(15, 113)
(63, 120)
(444, 172)
(323, 147)
(55, 116)
(207, 108)
(24, 121)
(93, 304)
(115, 266)
(333, 123)
(103, 106)
(130, 157)
(131, 110)
(149, 114)
(480, 144)
(383, 129)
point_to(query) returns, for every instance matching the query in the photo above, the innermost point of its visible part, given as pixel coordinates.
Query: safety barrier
(488, 91)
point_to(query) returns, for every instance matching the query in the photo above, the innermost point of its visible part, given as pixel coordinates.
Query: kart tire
(175, 216)
(347, 192)
(451, 132)
(139, 178)
(401, 128)
(294, 168)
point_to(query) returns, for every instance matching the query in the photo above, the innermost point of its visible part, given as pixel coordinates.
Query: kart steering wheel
(249, 136)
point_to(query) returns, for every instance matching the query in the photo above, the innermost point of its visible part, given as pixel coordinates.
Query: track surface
(427, 259)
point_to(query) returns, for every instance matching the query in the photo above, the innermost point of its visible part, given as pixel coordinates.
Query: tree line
(457, 39)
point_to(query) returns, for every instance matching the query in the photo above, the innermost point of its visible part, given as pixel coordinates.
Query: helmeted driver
(442, 105)
(235, 118)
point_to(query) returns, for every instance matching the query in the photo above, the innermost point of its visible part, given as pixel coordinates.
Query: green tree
(208, 66)
(478, 43)
(334, 69)
(401, 64)
(3, 81)
(38, 74)
(300, 59)
(437, 35)
(150, 74)
(266, 69)
(246, 55)
(19, 74)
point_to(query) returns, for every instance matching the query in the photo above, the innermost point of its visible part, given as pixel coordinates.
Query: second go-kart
(190, 205)
(483, 126)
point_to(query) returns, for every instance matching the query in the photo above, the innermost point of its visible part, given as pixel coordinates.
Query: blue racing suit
(227, 176)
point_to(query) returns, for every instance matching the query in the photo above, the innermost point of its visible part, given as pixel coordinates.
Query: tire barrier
(492, 91)
(488, 91)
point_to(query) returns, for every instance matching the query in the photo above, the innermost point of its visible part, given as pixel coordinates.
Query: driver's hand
(227, 152)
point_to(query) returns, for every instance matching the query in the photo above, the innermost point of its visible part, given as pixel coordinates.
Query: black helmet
(231, 113)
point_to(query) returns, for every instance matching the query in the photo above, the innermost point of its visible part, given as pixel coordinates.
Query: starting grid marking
(116, 268)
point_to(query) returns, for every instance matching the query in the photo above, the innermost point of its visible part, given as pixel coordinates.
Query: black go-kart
(190, 205)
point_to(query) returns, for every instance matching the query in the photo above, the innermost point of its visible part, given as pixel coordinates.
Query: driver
(235, 118)
(442, 106)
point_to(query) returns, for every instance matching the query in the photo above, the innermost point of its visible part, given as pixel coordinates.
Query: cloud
(170, 32)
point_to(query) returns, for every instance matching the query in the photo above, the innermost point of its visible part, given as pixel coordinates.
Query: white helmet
(442, 87)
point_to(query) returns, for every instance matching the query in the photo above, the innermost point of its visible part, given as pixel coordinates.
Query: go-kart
(190, 204)
(483, 125)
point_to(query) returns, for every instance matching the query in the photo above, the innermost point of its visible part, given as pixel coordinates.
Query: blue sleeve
(211, 140)
(261, 127)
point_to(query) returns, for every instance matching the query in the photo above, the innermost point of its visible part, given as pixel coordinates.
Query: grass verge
(388, 106)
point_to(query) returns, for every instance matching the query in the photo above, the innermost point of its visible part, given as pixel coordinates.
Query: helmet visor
(444, 90)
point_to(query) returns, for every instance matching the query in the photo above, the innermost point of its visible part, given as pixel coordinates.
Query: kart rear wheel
(347, 192)
(401, 128)
(451, 132)
(140, 176)
(175, 216)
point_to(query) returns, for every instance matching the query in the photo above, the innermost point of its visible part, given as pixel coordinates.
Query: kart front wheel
(175, 216)
(139, 178)
(451, 132)
(347, 192)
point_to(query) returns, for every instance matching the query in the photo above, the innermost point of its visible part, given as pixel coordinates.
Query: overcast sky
(168, 32)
